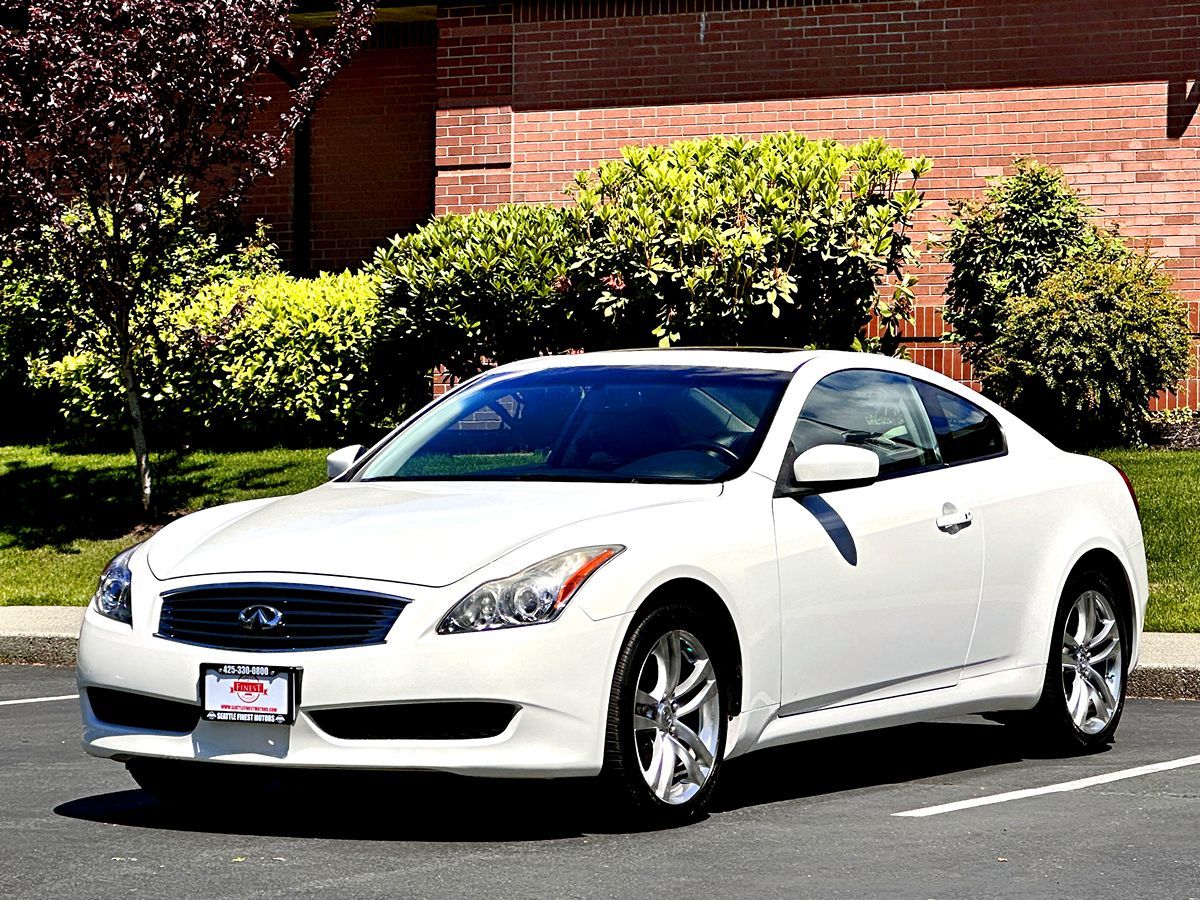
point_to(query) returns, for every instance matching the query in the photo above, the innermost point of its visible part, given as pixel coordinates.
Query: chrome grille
(310, 617)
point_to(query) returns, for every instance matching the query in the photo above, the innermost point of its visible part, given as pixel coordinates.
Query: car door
(879, 584)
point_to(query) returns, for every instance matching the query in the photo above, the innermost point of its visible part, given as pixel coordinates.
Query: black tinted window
(868, 408)
(590, 423)
(965, 432)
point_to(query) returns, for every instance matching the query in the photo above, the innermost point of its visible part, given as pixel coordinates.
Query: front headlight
(112, 596)
(531, 597)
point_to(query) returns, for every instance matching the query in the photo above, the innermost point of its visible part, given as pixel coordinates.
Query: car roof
(780, 359)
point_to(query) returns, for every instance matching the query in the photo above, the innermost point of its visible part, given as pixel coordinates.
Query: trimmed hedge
(782, 241)
(464, 291)
(258, 358)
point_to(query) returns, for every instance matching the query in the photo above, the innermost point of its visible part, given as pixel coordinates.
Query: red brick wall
(529, 92)
(475, 115)
(372, 153)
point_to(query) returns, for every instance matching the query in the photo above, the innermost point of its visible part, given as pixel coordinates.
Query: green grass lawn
(1168, 488)
(64, 515)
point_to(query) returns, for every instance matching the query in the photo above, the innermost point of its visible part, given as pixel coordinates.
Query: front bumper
(558, 675)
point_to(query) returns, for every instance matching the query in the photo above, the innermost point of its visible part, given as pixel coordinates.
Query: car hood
(429, 534)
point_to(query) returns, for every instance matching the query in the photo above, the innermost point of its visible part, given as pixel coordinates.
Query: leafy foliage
(123, 125)
(1026, 227)
(466, 292)
(720, 241)
(783, 241)
(1080, 357)
(252, 353)
(1061, 318)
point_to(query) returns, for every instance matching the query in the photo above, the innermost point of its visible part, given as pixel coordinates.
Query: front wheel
(667, 718)
(1084, 693)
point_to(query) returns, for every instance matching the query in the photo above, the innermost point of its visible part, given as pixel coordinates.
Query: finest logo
(260, 617)
(248, 691)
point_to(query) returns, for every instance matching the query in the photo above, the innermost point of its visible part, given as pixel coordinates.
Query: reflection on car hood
(422, 533)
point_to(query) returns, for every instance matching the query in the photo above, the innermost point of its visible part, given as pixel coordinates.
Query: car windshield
(589, 423)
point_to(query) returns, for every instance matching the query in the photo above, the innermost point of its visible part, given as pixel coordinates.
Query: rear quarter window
(965, 432)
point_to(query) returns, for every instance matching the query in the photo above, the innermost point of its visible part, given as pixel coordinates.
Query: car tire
(1087, 670)
(667, 719)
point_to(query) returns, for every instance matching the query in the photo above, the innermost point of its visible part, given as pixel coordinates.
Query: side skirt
(997, 691)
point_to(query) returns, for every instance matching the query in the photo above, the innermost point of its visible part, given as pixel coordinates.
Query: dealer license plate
(242, 692)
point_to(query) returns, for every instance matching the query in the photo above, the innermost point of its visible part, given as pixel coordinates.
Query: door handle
(952, 521)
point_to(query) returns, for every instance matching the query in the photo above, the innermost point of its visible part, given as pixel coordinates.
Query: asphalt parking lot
(815, 820)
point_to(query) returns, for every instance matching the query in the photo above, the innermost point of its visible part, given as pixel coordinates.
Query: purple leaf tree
(127, 123)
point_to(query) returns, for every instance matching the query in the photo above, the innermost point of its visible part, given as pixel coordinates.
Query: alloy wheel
(1092, 662)
(676, 717)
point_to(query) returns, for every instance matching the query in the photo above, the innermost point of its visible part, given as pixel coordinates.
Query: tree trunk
(133, 402)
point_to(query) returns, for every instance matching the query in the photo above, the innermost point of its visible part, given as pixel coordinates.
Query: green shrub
(721, 241)
(1061, 319)
(783, 241)
(465, 291)
(1080, 357)
(61, 349)
(1026, 227)
(290, 353)
(248, 358)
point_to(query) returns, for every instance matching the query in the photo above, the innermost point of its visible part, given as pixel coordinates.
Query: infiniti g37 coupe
(632, 565)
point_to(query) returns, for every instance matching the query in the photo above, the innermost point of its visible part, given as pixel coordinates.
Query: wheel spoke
(1068, 659)
(1108, 703)
(666, 655)
(689, 739)
(644, 723)
(652, 769)
(1102, 635)
(694, 775)
(1087, 621)
(699, 673)
(660, 654)
(674, 663)
(1109, 651)
(666, 772)
(1077, 701)
(698, 699)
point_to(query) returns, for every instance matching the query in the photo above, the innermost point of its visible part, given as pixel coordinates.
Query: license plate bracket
(249, 693)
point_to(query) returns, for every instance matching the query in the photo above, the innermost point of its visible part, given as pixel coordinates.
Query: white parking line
(39, 699)
(1052, 788)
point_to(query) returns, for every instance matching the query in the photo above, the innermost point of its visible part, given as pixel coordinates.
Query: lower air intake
(130, 710)
(416, 721)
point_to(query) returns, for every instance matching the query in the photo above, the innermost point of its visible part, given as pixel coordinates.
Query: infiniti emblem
(260, 617)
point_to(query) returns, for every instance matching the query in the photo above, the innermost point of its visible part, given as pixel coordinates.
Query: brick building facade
(470, 105)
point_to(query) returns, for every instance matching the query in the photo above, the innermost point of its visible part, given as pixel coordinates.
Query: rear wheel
(1084, 692)
(667, 719)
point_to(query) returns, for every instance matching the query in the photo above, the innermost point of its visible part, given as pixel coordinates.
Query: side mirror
(337, 462)
(834, 466)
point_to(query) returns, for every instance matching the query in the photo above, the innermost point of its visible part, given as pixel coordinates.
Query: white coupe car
(635, 565)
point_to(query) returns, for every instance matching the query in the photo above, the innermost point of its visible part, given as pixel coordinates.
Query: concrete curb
(39, 635)
(1165, 683)
(48, 635)
(37, 650)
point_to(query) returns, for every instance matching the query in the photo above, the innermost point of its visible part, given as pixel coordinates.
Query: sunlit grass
(1168, 488)
(64, 515)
